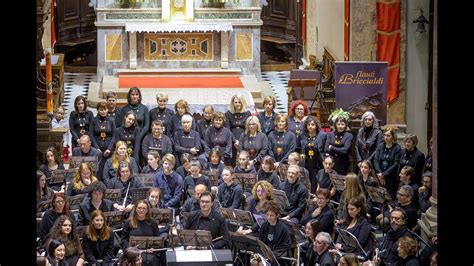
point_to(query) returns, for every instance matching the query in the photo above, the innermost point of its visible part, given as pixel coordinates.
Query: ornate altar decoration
(159, 37)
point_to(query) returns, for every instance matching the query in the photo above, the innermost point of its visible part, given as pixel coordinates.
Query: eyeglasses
(401, 194)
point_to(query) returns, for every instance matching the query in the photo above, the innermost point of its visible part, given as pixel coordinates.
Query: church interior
(242, 82)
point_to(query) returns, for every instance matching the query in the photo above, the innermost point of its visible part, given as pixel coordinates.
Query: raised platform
(197, 86)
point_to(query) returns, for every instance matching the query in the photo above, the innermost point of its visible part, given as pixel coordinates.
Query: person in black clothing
(274, 233)
(407, 249)
(85, 149)
(113, 110)
(235, 120)
(339, 141)
(50, 162)
(187, 140)
(312, 147)
(243, 165)
(196, 178)
(219, 137)
(125, 180)
(102, 133)
(59, 207)
(267, 116)
(162, 112)
(192, 204)
(387, 159)
(181, 107)
(57, 253)
(98, 240)
(79, 119)
(413, 157)
(141, 224)
(206, 121)
(398, 228)
(208, 219)
(404, 201)
(267, 172)
(229, 193)
(355, 222)
(156, 140)
(134, 103)
(129, 132)
(153, 160)
(281, 142)
(95, 201)
(297, 194)
(369, 137)
(424, 193)
(428, 167)
(407, 173)
(323, 175)
(321, 211)
(254, 141)
(321, 250)
(298, 112)
(311, 229)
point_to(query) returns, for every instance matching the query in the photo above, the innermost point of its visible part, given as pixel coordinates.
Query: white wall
(329, 26)
(417, 73)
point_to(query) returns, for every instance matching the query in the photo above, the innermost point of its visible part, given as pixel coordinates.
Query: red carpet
(180, 82)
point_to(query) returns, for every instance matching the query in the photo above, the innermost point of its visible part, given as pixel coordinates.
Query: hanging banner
(360, 87)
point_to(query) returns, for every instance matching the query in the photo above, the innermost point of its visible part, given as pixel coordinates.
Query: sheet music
(193, 255)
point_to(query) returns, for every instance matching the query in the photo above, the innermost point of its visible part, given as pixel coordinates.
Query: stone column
(224, 49)
(362, 30)
(429, 220)
(132, 36)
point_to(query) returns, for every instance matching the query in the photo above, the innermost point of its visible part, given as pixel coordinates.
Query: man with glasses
(322, 241)
(388, 250)
(208, 219)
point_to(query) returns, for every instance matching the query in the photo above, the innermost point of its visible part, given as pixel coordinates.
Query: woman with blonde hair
(112, 163)
(82, 179)
(351, 189)
(254, 141)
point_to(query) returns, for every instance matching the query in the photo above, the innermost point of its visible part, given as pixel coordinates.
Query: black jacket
(214, 223)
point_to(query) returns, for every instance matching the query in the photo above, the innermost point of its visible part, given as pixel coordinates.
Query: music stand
(280, 198)
(338, 181)
(59, 177)
(75, 201)
(113, 194)
(80, 230)
(184, 217)
(260, 218)
(282, 171)
(381, 196)
(245, 180)
(238, 216)
(43, 205)
(197, 238)
(75, 161)
(162, 216)
(296, 234)
(213, 177)
(349, 239)
(138, 194)
(146, 242)
(253, 244)
(114, 219)
(147, 179)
